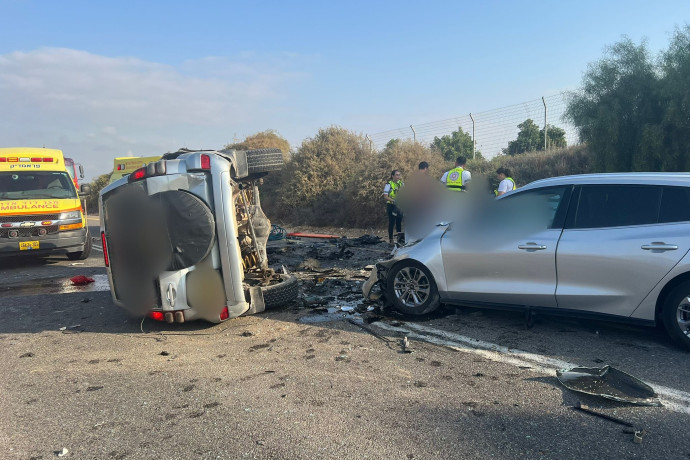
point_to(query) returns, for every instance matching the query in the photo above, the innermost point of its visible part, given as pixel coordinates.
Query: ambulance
(75, 170)
(124, 166)
(40, 209)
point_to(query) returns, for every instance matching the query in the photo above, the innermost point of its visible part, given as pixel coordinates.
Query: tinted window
(617, 206)
(675, 204)
(536, 207)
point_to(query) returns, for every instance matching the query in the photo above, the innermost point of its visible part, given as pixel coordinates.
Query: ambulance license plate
(28, 245)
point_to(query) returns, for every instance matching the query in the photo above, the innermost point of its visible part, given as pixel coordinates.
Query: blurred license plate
(27, 245)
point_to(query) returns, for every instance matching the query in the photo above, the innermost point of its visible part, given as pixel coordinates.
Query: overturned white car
(185, 237)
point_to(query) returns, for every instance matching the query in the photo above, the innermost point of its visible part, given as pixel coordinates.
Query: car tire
(264, 160)
(82, 255)
(676, 315)
(282, 293)
(411, 289)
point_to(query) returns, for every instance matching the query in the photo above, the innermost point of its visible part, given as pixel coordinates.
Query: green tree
(391, 144)
(618, 110)
(556, 138)
(528, 139)
(531, 139)
(96, 186)
(670, 141)
(459, 143)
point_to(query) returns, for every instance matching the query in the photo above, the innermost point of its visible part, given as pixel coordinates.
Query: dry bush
(269, 139)
(365, 204)
(335, 180)
(324, 163)
(528, 167)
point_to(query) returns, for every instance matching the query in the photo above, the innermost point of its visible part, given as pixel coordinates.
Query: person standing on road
(390, 192)
(506, 183)
(419, 201)
(458, 178)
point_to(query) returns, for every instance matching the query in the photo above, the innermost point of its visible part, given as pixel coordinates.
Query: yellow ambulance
(124, 166)
(40, 209)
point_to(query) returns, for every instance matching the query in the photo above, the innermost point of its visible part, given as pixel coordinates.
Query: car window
(537, 207)
(675, 204)
(617, 206)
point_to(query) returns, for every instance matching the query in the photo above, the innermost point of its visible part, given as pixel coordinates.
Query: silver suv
(608, 246)
(185, 237)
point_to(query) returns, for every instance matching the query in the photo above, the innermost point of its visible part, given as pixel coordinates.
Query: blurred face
(501, 176)
(397, 176)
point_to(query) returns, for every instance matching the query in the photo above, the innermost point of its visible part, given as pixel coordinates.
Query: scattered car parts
(609, 383)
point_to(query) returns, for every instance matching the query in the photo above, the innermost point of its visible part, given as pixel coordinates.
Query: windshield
(25, 185)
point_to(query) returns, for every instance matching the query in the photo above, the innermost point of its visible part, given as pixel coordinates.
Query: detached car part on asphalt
(604, 246)
(609, 383)
(185, 237)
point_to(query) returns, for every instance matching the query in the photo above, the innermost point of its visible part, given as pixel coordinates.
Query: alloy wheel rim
(412, 287)
(683, 315)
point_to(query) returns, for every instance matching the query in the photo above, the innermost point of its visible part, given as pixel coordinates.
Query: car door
(507, 256)
(619, 242)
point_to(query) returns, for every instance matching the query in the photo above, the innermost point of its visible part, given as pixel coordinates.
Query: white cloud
(104, 107)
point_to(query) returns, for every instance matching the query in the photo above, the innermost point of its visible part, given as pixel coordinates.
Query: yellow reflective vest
(394, 188)
(511, 180)
(454, 179)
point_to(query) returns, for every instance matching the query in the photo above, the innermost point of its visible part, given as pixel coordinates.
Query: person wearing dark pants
(390, 192)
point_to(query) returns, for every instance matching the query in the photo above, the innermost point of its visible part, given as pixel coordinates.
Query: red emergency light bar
(26, 159)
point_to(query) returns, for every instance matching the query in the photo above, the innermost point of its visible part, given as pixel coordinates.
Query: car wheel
(411, 288)
(281, 293)
(264, 160)
(676, 315)
(82, 255)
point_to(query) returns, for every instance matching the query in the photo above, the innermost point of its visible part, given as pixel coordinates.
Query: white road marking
(98, 248)
(672, 399)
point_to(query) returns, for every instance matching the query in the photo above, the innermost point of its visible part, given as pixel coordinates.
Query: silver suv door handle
(659, 246)
(532, 246)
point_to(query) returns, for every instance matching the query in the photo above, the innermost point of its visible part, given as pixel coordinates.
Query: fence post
(546, 134)
(414, 134)
(369, 139)
(474, 143)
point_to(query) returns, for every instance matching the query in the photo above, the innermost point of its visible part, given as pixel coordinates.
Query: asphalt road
(81, 375)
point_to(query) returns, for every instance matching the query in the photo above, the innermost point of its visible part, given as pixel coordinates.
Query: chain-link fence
(491, 130)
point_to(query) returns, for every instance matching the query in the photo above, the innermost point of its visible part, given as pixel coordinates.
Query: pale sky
(105, 79)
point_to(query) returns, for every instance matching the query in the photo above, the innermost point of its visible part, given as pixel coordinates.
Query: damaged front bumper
(375, 287)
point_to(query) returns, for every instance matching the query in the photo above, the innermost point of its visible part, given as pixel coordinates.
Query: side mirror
(85, 189)
(81, 172)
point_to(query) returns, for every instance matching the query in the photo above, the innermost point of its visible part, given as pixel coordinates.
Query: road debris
(584, 408)
(81, 280)
(609, 383)
(637, 436)
(62, 453)
(405, 343)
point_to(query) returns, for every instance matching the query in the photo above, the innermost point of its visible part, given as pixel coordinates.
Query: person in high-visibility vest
(506, 183)
(390, 192)
(457, 178)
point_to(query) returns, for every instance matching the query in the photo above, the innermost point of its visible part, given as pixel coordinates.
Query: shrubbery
(334, 180)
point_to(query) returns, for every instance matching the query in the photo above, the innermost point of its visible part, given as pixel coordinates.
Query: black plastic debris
(367, 239)
(609, 383)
